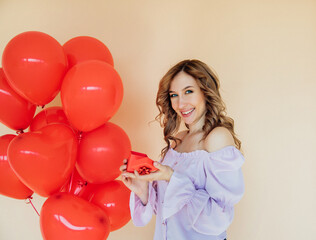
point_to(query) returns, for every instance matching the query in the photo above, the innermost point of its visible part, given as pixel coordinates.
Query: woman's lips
(187, 113)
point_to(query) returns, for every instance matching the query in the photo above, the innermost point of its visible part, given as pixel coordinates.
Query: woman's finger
(126, 181)
(122, 168)
(150, 177)
(128, 175)
(136, 174)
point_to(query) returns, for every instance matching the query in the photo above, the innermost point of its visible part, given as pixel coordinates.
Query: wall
(264, 53)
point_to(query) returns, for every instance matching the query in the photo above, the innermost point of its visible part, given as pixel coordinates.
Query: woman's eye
(173, 95)
(188, 91)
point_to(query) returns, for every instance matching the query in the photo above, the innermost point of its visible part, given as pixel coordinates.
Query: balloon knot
(29, 201)
(19, 131)
(81, 183)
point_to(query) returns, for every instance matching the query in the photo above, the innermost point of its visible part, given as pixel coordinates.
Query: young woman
(199, 178)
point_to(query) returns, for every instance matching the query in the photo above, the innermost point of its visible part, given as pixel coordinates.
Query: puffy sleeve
(142, 214)
(209, 209)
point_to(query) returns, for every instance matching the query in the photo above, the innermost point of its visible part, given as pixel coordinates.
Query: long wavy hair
(215, 107)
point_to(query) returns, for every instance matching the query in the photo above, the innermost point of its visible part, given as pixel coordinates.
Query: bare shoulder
(218, 138)
(179, 135)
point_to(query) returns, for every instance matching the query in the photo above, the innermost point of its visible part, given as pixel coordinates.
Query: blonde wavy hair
(215, 107)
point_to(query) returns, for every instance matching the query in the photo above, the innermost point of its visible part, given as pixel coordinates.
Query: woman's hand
(164, 172)
(138, 186)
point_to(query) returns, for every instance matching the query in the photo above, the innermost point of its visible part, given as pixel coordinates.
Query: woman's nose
(181, 102)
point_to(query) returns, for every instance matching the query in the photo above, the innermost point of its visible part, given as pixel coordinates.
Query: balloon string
(79, 136)
(30, 201)
(45, 112)
(70, 182)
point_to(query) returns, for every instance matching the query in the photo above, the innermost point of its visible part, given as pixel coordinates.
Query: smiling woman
(199, 178)
(192, 86)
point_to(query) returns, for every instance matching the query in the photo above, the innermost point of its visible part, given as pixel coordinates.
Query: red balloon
(85, 48)
(48, 116)
(10, 185)
(15, 112)
(64, 216)
(113, 198)
(44, 159)
(91, 93)
(35, 64)
(101, 153)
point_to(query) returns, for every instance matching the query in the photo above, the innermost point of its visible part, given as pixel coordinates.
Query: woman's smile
(187, 113)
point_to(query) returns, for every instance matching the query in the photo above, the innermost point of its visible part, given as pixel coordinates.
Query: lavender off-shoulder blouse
(197, 203)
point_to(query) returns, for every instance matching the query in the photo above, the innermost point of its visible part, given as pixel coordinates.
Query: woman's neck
(197, 126)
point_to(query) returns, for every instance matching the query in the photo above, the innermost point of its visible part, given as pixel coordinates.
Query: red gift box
(141, 163)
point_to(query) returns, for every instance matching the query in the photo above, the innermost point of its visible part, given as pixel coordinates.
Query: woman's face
(187, 99)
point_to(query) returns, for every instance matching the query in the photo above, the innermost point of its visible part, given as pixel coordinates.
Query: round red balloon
(91, 93)
(85, 48)
(113, 198)
(35, 64)
(15, 112)
(44, 159)
(64, 216)
(10, 184)
(101, 153)
(48, 116)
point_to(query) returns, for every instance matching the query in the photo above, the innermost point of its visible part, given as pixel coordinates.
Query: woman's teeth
(187, 112)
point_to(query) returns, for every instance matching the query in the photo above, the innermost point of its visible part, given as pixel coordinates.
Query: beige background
(265, 55)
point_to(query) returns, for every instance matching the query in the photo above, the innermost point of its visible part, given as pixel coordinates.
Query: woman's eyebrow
(182, 89)
(187, 87)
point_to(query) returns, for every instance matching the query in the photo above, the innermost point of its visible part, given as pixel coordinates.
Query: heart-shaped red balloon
(10, 184)
(15, 112)
(65, 216)
(44, 159)
(113, 198)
